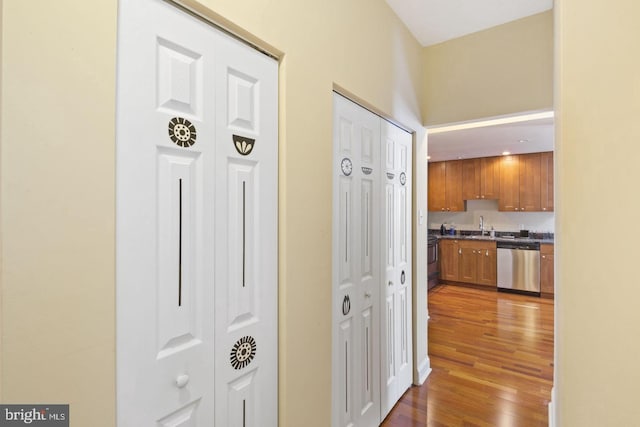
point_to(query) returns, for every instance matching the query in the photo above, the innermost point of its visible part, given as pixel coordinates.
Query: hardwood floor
(491, 358)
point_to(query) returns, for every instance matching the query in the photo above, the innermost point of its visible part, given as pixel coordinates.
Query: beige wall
(57, 205)
(57, 187)
(598, 320)
(502, 70)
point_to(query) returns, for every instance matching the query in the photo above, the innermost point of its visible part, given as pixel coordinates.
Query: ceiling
(520, 134)
(435, 21)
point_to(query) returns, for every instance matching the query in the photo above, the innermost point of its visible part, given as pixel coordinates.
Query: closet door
(356, 272)
(196, 221)
(396, 339)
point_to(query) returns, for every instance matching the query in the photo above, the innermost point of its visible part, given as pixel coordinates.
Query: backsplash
(539, 222)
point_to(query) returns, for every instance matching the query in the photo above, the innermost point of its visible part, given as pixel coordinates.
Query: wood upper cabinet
(448, 251)
(546, 182)
(509, 184)
(526, 183)
(521, 183)
(546, 269)
(477, 262)
(445, 186)
(471, 179)
(437, 173)
(529, 167)
(481, 178)
(453, 186)
(490, 177)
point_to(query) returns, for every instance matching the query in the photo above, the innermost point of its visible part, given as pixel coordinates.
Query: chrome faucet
(481, 225)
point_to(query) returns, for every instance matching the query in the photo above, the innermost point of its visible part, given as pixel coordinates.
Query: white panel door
(246, 232)
(195, 234)
(356, 272)
(396, 335)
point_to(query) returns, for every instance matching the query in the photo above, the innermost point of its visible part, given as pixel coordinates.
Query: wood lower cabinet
(448, 251)
(468, 261)
(477, 262)
(488, 266)
(547, 286)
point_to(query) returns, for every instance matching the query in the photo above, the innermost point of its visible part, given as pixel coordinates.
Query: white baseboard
(552, 408)
(424, 369)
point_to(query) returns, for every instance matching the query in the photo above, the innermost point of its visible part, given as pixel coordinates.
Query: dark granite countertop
(501, 236)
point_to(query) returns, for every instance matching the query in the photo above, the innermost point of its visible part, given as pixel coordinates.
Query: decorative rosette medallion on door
(243, 352)
(182, 132)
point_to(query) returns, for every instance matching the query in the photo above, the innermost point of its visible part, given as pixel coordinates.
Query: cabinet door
(530, 182)
(436, 194)
(487, 266)
(546, 182)
(467, 269)
(448, 259)
(471, 170)
(489, 177)
(453, 186)
(546, 269)
(509, 184)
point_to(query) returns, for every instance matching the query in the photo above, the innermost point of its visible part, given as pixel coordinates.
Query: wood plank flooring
(491, 358)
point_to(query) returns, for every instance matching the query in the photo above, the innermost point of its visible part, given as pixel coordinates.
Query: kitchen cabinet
(521, 183)
(445, 186)
(468, 261)
(448, 250)
(477, 262)
(546, 182)
(529, 168)
(481, 178)
(547, 285)
(509, 199)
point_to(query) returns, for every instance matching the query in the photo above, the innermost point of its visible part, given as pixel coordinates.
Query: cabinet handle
(544, 209)
(477, 197)
(487, 254)
(544, 256)
(516, 208)
(521, 209)
(460, 251)
(443, 209)
(483, 196)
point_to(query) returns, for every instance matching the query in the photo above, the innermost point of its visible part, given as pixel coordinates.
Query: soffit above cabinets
(529, 133)
(435, 21)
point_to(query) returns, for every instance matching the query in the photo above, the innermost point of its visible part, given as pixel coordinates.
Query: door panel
(396, 331)
(356, 258)
(246, 235)
(195, 224)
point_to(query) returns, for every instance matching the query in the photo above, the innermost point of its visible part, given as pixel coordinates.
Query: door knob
(182, 381)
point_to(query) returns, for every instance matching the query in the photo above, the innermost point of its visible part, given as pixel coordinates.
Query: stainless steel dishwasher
(519, 267)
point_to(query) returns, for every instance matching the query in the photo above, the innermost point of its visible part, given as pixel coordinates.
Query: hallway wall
(57, 187)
